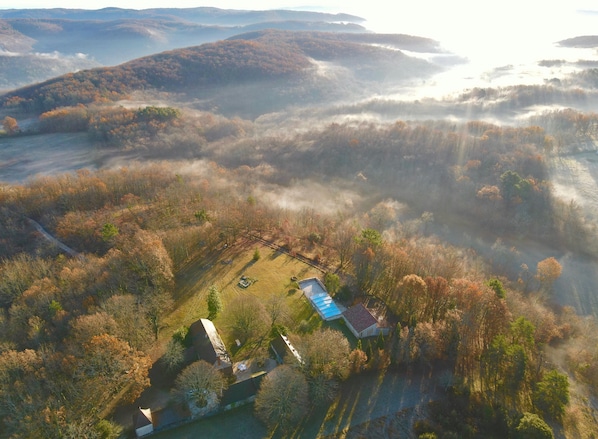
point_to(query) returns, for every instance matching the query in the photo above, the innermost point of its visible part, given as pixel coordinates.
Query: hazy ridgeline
(463, 214)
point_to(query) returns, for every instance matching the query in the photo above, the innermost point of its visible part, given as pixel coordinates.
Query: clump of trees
(10, 126)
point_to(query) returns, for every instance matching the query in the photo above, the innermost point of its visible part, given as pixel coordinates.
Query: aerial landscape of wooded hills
(82, 38)
(205, 171)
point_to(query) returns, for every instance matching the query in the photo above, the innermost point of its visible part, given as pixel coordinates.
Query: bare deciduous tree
(282, 399)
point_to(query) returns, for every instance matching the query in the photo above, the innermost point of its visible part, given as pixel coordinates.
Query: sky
(457, 21)
(512, 32)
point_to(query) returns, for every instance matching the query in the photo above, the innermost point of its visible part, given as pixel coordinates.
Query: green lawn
(271, 276)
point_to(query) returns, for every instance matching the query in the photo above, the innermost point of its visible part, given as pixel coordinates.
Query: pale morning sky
(488, 28)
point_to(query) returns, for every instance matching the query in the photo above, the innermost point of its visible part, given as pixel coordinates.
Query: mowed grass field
(271, 280)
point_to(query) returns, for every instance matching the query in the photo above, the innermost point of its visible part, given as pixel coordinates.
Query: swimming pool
(320, 299)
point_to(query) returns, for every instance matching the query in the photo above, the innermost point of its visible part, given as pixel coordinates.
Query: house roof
(142, 418)
(242, 390)
(359, 317)
(207, 342)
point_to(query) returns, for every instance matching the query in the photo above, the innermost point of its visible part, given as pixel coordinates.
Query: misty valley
(200, 164)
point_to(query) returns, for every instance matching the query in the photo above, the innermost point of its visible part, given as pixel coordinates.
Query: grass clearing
(271, 279)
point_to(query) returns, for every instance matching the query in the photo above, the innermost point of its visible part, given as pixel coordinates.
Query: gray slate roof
(208, 344)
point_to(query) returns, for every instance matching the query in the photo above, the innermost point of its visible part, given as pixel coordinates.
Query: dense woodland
(80, 332)
(496, 174)
(74, 324)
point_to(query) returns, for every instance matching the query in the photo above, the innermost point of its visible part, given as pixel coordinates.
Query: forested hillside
(46, 43)
(207, 70)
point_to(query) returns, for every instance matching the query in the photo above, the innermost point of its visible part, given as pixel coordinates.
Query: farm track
(53, 240)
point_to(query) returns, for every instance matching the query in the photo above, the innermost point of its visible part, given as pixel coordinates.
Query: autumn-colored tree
(10, 125)
(18, 274)
(85, 327)
(548, 271)
(437, 300)
(150, 266)
(358, 360)
(130, 316)
(326, 352)
(366, 258)
(21, 390)
(343, 241)
(109, 366)
(156, 306)
(409, 305)
(427, 343)
(277, 309)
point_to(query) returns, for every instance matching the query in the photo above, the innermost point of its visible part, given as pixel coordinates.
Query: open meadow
(270, 278)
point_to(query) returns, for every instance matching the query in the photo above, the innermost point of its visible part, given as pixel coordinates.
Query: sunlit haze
(513, 33)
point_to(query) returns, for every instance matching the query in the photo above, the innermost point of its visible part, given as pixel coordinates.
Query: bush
(181, 336)
(531, 426)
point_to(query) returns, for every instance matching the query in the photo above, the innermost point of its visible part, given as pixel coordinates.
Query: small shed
(209, 346)
(284, 349)
(142, 420)
(362, 323)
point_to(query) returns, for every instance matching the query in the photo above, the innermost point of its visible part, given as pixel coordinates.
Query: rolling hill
(68, 40)
(203, 15)
(269, 69)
